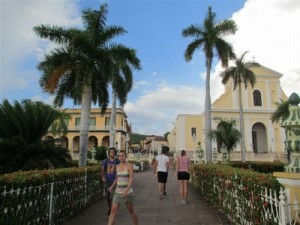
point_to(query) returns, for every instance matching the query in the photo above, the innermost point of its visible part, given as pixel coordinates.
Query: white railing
(275, 208)
(51, 203)
(96, 128)
(249, 156)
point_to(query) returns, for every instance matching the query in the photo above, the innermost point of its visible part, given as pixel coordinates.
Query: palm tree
(80, 68)
(209, 39)
(282, 112)
(240, 73)
(23, 126)
(226, 134)
(121, 80)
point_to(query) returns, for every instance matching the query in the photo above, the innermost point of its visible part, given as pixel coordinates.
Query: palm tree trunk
(208, 142)
(112, 121)
(85, 123)
(243, 151)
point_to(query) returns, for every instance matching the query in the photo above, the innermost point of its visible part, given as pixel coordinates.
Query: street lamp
(93, 153)
(127, 139)
(194, 140)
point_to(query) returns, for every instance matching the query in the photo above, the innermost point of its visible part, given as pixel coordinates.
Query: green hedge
(25, 196)
(261, 167)
(235, 192)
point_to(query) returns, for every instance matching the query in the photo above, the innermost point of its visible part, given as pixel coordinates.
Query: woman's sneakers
(163, 195)
(183, 202)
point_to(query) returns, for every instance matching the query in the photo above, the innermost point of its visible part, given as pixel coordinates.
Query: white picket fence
(51, 203)
(276, 209)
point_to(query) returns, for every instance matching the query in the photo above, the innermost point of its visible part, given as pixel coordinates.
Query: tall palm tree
(226, 134)
(240, 73)
(209, 39)
(121, 80)
(282, 112)
(23, 126)
(79, 69)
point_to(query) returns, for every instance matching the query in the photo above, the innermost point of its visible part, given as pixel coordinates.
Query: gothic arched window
(257, 98)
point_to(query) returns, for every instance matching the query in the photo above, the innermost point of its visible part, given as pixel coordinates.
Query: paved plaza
(152, 210)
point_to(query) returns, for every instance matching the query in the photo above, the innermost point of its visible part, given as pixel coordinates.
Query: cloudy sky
(167, 85)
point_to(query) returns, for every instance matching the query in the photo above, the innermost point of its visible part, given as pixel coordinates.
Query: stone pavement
(152, 210)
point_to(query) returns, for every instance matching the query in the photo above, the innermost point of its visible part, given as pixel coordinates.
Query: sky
(167, 85)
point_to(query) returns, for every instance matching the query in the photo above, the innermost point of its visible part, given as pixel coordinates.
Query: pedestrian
(123, 193)
(183, 164)
(161, 168)
(108, 173)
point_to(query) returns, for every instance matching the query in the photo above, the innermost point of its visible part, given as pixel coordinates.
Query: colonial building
(262, 137)
(98, 131)
(154, 144)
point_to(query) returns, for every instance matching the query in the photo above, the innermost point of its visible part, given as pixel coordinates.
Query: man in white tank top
(161, 167)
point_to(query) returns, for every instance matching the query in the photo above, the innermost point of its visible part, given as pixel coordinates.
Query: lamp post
(93, 153)
(194, 140)
(127, 139)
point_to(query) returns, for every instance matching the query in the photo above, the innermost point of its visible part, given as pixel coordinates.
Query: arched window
(256, 98)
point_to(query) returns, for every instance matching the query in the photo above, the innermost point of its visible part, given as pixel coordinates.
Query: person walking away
(183, 164)
(161, 167)
(108, 173)
(123, 193)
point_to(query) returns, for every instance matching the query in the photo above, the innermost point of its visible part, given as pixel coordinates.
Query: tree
(240, 73)
(209, 39)
(226, 134)
(282, 112)
(166, 135)
(121, 81)
(80, 67)
(22, 147)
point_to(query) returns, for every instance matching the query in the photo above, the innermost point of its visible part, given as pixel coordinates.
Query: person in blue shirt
(108, 174)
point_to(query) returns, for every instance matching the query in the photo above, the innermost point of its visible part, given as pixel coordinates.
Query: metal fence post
(85, 180)
(282, 207)
(51, 204)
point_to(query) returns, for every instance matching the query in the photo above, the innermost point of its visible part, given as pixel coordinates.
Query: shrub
(261, 167)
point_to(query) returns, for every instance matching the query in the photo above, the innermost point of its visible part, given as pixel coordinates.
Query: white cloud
(18, 41)
(48, 101)
(269, 30)
(139, 84)
(153, 112)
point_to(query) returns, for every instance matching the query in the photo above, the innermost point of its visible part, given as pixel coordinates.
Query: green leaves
(226, 133)
(23, 126)
(209, 38)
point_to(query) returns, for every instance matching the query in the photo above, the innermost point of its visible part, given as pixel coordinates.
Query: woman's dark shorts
(183, 176)
(162, 177)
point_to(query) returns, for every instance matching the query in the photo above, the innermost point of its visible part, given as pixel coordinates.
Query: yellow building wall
(227, 106)
(98, 133)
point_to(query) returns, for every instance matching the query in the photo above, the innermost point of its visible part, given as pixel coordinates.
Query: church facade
(264, 140)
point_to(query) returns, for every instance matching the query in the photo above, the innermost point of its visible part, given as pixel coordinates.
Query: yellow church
(264, 140)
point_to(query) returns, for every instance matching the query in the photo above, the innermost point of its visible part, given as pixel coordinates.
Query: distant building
(154, 144)
(262, 137)
(98, 131)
